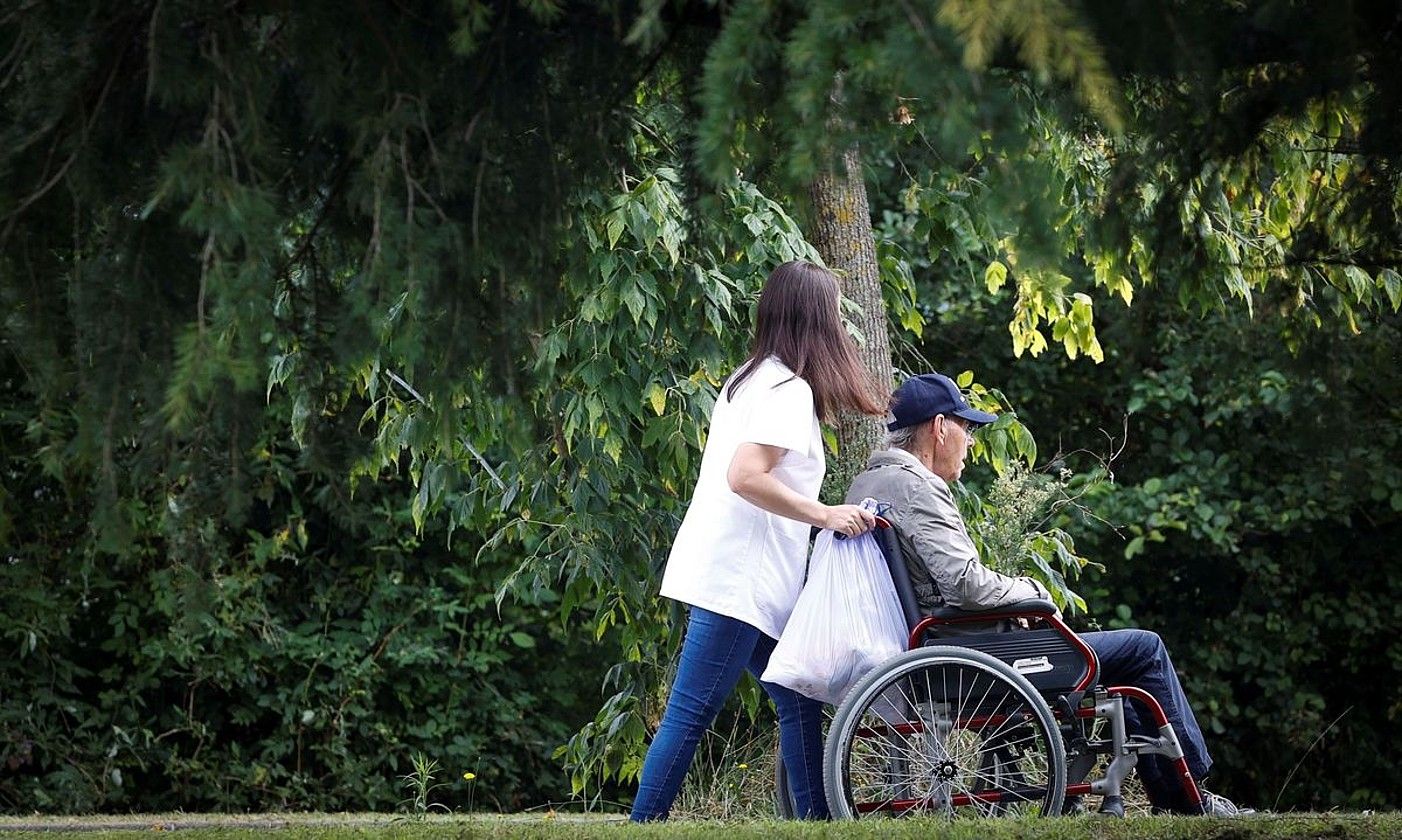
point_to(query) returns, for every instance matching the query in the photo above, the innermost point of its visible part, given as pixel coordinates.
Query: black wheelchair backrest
(900, 576)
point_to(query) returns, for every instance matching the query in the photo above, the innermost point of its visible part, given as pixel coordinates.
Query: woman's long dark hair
(798, 322)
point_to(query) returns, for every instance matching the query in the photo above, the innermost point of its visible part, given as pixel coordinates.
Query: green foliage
(629, 379)
(295, 659)
(1051, 38)
(253, 226)
(1256, 501)
(789, 85)
(1010, 526)
(1228, 244)
(1237, 174)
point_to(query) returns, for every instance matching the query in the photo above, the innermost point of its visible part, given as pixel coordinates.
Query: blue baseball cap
(921, 397)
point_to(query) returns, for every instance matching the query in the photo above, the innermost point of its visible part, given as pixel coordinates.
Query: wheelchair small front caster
(1113, 806)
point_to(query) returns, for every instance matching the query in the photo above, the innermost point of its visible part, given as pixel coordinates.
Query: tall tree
(842, 233)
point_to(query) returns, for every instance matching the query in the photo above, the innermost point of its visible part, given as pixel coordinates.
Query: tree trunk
(843, 235)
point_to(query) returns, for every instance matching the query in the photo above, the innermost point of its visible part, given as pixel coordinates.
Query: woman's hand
(849, 519)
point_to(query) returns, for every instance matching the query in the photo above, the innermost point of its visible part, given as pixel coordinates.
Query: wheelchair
(983, 724)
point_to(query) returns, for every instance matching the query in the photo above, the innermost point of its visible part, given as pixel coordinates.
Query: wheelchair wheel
(946, 730)
(784, 806)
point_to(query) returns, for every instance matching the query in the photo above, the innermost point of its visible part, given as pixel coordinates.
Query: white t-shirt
(731, 557)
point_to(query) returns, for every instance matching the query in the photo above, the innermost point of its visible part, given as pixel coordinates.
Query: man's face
(954, 439)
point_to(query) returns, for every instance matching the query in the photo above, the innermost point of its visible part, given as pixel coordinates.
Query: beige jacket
(944, 566)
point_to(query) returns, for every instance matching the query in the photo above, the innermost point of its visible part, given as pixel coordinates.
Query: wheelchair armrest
(1032, 606)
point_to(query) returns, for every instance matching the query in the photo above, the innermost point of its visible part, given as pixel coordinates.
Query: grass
(728, 795)
(585, 827)
(732, 776)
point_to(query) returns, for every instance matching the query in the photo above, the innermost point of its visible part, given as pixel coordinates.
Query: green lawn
(583, 827)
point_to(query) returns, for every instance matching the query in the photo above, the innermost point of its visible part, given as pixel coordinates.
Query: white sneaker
(1215, 805)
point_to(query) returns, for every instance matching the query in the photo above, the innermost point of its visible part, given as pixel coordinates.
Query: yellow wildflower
(469, 775)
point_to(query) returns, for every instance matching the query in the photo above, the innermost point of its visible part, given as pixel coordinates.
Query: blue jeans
(1139, 658)
(716, 650)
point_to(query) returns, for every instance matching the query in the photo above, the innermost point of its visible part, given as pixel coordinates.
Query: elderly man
(930, 434)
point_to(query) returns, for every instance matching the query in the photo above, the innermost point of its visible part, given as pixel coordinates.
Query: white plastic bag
(847, 621)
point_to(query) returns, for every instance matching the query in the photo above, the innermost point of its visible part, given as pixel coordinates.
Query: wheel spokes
(918, 747)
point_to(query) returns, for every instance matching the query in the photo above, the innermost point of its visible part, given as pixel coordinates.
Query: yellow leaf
(657, 395)
(995, 276)
(1095, 351)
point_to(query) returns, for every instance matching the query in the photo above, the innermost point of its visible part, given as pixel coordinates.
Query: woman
(740, 556)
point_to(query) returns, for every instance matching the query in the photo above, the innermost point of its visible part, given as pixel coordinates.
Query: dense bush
(1260, 502)
(291, 654)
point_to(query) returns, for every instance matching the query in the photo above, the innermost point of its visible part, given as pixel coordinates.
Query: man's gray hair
(902, 438)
